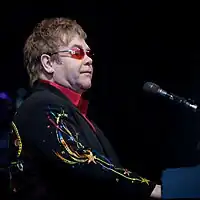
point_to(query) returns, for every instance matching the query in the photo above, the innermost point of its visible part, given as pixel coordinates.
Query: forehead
(77, 41)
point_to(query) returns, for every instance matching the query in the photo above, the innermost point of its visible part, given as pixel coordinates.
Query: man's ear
(46, 63)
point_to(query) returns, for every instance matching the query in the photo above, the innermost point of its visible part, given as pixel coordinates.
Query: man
(60, 143)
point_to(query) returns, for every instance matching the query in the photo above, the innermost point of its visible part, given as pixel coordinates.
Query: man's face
(75, 67)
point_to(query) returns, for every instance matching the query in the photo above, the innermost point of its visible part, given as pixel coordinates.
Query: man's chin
(85, 87)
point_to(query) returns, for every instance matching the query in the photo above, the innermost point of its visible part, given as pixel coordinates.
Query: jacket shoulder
(42, 98)
(38, 102)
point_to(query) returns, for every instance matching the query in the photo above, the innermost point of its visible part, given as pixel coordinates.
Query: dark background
(134, 42)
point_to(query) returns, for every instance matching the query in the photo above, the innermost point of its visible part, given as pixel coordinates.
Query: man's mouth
(86, 72)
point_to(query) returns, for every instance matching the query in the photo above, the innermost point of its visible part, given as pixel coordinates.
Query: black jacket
(63, 156)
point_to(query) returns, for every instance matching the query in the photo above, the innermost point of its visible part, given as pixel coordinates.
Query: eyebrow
(79, 46)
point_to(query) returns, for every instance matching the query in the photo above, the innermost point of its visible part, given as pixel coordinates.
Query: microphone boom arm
(178, 99)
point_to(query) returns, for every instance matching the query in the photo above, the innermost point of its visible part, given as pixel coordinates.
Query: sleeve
(59, 141)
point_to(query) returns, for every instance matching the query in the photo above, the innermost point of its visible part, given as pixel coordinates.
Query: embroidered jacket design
(74, 152)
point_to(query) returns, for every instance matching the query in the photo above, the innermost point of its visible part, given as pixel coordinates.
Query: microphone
(155, 89)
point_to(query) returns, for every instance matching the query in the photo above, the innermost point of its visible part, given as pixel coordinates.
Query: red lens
(78, 53)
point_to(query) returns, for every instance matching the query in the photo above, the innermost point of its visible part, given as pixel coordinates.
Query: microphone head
(151, 87)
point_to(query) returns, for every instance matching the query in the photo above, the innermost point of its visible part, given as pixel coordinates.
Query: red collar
(74, 97)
